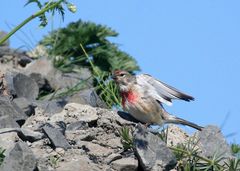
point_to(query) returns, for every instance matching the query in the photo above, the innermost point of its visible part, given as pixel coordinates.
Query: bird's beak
(113, 77)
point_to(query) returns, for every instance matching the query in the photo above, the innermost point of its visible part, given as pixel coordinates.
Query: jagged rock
(77, 126)
(20, 158)
(96, 152)
(23, 60)
(25, 86)
(125, 164)
(7, 141)
(50, 107)
(74, 112)
(151, 150)
(42, 82)
(10, 115)
(56, 78)
(8, 122)
(176, 135)
(89, 97)
(211, 142)
(25, 105)
(24, 134)
(56, 137)
(9, 82)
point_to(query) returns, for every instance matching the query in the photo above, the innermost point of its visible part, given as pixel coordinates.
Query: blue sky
(191, 45)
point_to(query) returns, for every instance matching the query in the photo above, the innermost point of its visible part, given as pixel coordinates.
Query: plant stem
(97, 73)
(195, 155)
(42, 11)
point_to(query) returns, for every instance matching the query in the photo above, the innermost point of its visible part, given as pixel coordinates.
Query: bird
(143, 97)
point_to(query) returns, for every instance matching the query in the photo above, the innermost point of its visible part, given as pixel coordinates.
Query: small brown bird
(143, 96)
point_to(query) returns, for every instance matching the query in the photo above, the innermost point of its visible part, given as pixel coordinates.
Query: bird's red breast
(129, 96)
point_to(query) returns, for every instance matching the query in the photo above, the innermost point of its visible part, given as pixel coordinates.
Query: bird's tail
(176, 120)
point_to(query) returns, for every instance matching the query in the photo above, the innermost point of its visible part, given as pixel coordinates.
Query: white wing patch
(161, 91)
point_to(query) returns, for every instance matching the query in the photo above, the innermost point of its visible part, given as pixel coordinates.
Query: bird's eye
(122, 75)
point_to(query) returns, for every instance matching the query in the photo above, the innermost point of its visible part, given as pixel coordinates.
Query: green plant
(95, 52)
(233, 164)
(126, 138)
(2, 156)
(235, 148)
(54, 161)
(51, 6)
(68, 56)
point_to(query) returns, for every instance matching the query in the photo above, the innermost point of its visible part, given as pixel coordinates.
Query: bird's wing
(161, 91)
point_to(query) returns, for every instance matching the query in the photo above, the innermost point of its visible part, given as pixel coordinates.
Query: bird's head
(123, 79)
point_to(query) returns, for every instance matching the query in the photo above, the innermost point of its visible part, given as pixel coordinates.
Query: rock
(42, 82)
(25, 105)
(9, 82)
(95, 152)
(7, 122)
(25, 86)
(89, 97)
(74, 112)
(56, 137)
(56, 78)
(125, 164)
(20, 158)
(50, 107)
(151, 150)
(77, 162)
(23, 60)
(10, 115)
(7, 141)
(112, 157)
(24, 134)
(176, 135)
(211, 142)
(77, 125)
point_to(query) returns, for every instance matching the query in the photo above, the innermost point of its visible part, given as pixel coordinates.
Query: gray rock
(96, 152)
(20, 158)
(8, 122)
(75, 163)
(50, 107)
(25, 86)
(56, 78)
(7, 141)
(42, 82)
(56, 137)
(24, 134)
(23, 60)
(25, 105)
(10, 114)
(125, 164)
(77, 125)
(9, 81)
(74, 112)
(151, 150)
(211, 142)
(89, 97)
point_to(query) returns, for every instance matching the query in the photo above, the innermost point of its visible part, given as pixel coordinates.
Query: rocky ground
(77, 132)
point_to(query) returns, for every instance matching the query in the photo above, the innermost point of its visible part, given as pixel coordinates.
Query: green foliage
(233, 164)
(86, 44)
(54, 161)
(49, 6)
(2, 156)
(163, 134)
(56, 6)
(63, 45)
(126, 138)
(236, 150)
